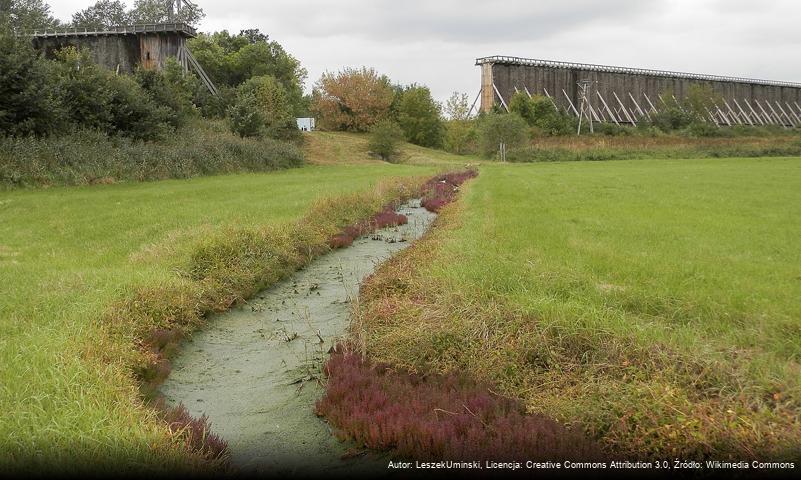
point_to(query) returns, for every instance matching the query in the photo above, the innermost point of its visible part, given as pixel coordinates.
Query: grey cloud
(436, 42)
(448, 20)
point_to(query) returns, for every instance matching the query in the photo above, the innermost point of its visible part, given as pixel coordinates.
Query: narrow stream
(253, 369)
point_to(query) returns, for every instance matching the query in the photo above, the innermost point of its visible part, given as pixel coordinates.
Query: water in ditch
(253, 370)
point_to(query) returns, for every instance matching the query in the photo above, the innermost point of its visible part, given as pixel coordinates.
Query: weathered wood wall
(123, 48)
(559, 79)
(109, 50)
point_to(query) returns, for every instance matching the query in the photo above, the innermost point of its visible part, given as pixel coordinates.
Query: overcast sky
(436, 42)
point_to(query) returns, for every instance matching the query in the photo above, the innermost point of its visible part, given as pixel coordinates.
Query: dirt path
(252, 370)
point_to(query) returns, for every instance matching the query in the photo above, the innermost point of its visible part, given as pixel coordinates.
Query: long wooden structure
(628, 95)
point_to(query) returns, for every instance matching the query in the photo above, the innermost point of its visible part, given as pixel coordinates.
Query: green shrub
(29, 103)
(214, 106)
(172, 89)
(285, 130)
(494, 129)
(540, 112)
(385, 138)
(706, 129)
(245, 117)
(275, 106)
(672, 117)
(460, 136)
(613, 130)
(271, 97)
(96, 98)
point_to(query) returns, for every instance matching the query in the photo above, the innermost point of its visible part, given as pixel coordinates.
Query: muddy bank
(253, 370)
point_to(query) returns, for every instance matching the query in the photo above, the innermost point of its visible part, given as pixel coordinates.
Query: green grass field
(67, 253)
(654, 302)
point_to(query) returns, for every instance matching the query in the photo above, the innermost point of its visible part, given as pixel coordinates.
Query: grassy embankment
(653, 303)
(87, 271)
(769, 143)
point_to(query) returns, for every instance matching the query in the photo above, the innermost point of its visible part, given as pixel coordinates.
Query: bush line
(89, 157)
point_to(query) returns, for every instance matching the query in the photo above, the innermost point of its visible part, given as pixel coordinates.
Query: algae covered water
(253, 370)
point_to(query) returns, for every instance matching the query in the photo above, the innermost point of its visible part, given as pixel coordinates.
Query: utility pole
(585, 107)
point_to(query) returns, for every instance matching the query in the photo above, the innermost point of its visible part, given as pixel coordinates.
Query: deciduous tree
(24, 15)
(158, 11)
(353, 99)
(101, 15)
(457, 107)
(419, 117)
(495, 129)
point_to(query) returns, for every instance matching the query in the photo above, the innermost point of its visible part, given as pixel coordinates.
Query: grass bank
(654, 304)
(88, 272)
(326, 148)
(638, 147)
(205, 147)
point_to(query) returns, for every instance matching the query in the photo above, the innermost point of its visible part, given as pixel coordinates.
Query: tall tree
(352, 99)
(101, 15)
(158, 11)
(253, 35)
(419, 117)
(233, 59)
(23, 15)
(457, 107)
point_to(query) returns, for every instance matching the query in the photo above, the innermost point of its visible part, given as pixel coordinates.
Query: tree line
(56, 96)
(26, 15)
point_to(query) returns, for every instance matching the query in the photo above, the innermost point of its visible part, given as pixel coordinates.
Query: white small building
(305, 124)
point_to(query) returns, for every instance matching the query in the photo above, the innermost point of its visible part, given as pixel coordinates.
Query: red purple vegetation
(442, 189)
(436, 416)
(388, 217)
(196, 431)
(437, 192)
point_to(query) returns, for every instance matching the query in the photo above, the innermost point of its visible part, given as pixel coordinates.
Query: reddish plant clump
(437, 192)
(439, 416)
(442, 189)
(387, 217)
(196, 431)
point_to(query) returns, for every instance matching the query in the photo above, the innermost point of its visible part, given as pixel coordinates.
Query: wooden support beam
(200, 72)
(723, 115)
(756, 115)
(611, 114)
(778, 117)
(770, 119)
(503, 102)
(734, 115)
(744, 113)
(570, 102)
(653, 108)
(789, 120)
(797, 119)
(470, 112)
(712, 117)
(551, 99)
(643, 113)
(631, 119)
